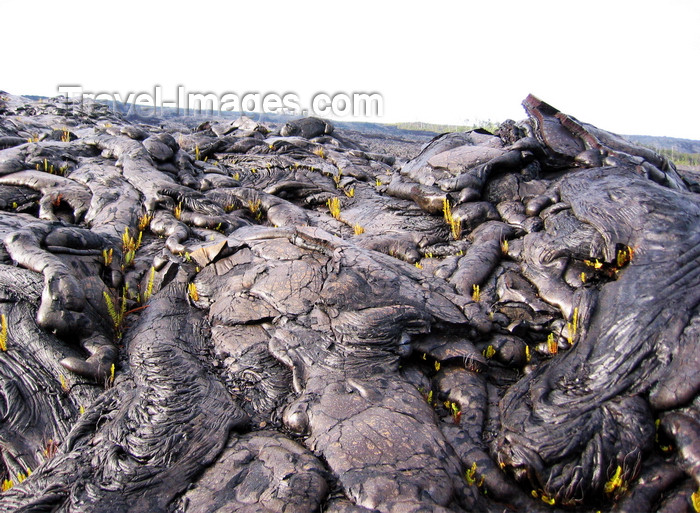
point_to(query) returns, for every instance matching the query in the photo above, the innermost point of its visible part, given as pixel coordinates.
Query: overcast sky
(627, 66)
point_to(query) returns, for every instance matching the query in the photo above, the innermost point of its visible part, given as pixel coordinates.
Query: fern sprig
(3, 333)
(149, 286)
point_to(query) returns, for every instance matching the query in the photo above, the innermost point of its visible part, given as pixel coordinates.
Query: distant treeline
(681, 159)
(489, 125)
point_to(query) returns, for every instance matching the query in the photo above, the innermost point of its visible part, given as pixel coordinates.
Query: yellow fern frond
(3, 332)
(476, 293)
(192, 291)
(334, 207)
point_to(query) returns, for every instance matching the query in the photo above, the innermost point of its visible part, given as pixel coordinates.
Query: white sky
(626, 66)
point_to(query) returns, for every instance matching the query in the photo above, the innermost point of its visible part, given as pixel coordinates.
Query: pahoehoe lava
(243, 317)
